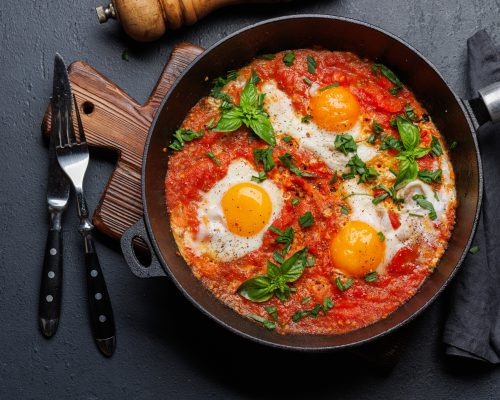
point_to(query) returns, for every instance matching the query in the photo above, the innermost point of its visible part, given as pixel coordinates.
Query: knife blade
(58, 190)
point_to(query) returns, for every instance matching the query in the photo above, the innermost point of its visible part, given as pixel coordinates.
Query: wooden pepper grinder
(147, 20)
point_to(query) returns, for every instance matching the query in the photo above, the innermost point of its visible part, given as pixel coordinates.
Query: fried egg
(235, 213)
(332, 115)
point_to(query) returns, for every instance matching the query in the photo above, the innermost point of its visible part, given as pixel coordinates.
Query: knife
(58, 189)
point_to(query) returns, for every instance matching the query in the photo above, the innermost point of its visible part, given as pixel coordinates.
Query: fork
(73, 157)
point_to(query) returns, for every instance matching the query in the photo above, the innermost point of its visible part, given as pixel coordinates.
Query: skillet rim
(257, 339)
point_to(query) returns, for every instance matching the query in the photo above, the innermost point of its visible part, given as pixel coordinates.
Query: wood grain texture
(115, 121)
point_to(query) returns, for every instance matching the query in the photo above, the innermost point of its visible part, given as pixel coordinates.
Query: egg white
(214, 237)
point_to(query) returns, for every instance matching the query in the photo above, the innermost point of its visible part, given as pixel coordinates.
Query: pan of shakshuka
(310, 182)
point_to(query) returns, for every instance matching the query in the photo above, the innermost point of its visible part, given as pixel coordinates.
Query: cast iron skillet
(456, 120)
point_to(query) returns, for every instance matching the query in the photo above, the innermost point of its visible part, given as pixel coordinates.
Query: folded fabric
(472, 329)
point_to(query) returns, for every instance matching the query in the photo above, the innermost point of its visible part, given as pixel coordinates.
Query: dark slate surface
(166, 348)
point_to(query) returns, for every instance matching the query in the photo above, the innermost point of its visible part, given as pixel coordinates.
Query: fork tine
(79, 121)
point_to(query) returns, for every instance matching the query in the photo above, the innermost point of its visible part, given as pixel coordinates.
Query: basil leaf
(474, 250)
(410, 134)
(305, 119)
(308, 81)
(278, 257)
(391, 76)
(295, 202)
(358, 167)
(267, 324)
(213, 158)
(381, 236)
(311, 64)
(259, 178)
(344, 210)
(273, 312)
(388, 142)
(436, 148)
(336, 84)
(273, 270)
(229, 121)
(257, 289)
(310, 261)
(410, 112)
(289, 58)
(328, 304)
(334, 179)
(249, 95)
(284, 237)
(298, 315)
(184, 135)
(286, 160)
(429, 177)
(345, 143)
(372, 138)
(210, 123)
(265, 156)
(306, 300)
(287, 139)
(294, 266)
(306, 220)
(315, 311)
(408, 170)
(262, 128)
(343, 286)
(420, 152)
(426, 205)
(219, 83)
(267, 56)
(388, 192)
(371, 277)
(125, 55)
(376, 128)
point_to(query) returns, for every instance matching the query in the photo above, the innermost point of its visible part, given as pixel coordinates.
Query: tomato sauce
(191, 173)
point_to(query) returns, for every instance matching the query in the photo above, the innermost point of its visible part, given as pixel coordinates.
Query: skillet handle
(154, 269)
(486, 107)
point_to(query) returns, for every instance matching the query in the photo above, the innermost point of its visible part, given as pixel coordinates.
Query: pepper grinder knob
(105, 12)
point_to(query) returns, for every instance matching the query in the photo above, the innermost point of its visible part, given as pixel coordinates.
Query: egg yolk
(247, 208)
(334, 109)
(356, 249)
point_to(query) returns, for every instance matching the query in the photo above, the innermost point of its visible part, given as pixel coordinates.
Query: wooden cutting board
(113, 120)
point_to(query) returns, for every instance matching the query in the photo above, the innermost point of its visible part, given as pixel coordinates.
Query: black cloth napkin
(472, 329)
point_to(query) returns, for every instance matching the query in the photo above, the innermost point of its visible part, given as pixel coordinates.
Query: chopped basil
(436, 148)
(210, 123)
(273, 312)
(345, 143)
(267, 56)
(311, 261)
(390, 142)
(388, 192)
(249, 112)
(474, 250)
(286, 160)
(358, 167)
(410, 112)
(284, 237)
(295, 202)
(289, 58)
(344, 210)
(393, 123)
(278, 257)
(298, 315)
(391, 76)
(311, 64)
(306, 300)
(334, 178)
(264, 156)
(416, 215)
(305, 119)
(429, 177)
(426, 205)
(308, 81)
(287, 139)
(372, 138)
(125, 55)
(336, 84)
(181, 136)
(260, 178)
(213, 158)
(306, 220)
(219, 83)
(453, 145)
(327, 304)
(275, 281)
(381, 236)
(267, 324)
(371, 277)
(343, 286)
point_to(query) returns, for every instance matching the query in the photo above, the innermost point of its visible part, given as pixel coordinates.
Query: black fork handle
(100, 309)
(49, 307)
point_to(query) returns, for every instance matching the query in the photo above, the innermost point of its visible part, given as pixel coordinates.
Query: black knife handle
(101, 312)
(51, 285)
